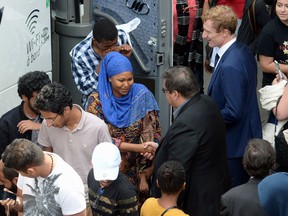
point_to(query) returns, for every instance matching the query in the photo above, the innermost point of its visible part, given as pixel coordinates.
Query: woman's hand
(150, 154)
(277, 79)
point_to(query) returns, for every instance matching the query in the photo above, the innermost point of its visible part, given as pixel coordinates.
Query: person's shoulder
(276, 179)
(93, 119)
(242, 50)
(139, 86)
(233, 192)
(269, 26)
(124, 181)
(15, 114)
(125, 187)
(150, 202)
(176, 212)
(82, 47)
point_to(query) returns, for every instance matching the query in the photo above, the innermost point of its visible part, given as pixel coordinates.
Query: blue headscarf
(273, 194)
(122, 112)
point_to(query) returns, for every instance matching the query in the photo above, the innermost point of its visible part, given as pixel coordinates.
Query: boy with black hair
(171, 179)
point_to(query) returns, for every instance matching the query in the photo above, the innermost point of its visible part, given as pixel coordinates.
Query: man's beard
(32, 108)
(13, 188)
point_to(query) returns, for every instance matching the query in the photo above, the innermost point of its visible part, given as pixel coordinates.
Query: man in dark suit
(196, 139)
(233, 87)
(259, 160)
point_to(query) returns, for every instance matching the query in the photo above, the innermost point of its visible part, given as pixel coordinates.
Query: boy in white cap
(110, 192)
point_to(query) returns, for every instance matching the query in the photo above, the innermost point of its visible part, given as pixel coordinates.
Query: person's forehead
(108, 42)
(209, 26)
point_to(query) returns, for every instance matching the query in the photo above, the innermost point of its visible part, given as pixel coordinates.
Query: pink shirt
(191, 20)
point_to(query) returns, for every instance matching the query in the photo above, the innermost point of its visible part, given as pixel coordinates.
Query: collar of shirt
(176, 112)
(224, 48)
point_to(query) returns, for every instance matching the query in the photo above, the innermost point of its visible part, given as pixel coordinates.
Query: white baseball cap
(106, 161)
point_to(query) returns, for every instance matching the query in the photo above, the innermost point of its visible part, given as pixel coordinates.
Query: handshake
(149, 149)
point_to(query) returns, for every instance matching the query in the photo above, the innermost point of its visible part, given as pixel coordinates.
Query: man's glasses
(53, 118)
(164, 90)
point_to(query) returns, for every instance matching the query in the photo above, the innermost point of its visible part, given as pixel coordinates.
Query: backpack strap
(252, 18)
(171, 207)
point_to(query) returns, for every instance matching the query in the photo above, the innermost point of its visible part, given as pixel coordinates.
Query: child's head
(171, 177)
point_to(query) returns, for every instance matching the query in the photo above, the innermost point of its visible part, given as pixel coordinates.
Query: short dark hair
(53, 97)
(171, 177)
(182, 80)
(22, 154)
(104, 30)
(9, 173)
(32, 82)
(259, 158)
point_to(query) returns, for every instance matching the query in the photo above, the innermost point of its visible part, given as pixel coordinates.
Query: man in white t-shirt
(44, 183)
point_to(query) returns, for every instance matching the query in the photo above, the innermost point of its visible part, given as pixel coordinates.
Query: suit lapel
(218, 68)
(214, 75)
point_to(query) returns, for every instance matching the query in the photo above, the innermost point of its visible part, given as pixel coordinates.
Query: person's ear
(14, 180)
(31, 171)
(157, 183)
(24, 98)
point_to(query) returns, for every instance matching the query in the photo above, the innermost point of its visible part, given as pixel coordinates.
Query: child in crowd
(171, 181)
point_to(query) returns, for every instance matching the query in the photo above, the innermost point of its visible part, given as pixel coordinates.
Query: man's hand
(124, 49)
(154, 145)
(26, 125)
(148, 154)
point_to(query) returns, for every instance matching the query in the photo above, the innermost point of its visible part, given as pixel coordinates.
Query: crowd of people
(108, 156)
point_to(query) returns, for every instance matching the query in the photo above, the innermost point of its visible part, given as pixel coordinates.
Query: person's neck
(228, 39)
(48, 166)
(28, 112)
(74, 118)
(166, 201)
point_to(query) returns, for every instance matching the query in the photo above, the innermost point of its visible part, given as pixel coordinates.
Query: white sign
(25, 41)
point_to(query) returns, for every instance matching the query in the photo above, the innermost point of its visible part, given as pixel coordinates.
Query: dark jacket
(8, 127)
(233, 88)
(242, 200)
(196, 138)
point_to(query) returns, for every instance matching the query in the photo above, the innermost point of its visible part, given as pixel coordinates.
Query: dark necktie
(216, 61)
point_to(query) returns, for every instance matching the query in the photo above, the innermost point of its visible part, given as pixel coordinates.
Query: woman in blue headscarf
(129, 109)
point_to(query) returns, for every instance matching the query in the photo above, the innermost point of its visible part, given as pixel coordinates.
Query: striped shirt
(84, 63)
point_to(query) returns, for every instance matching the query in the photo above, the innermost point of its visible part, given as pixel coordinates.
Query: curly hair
(223, 17)
(53, 97)
(32, 82)
(171, 177)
